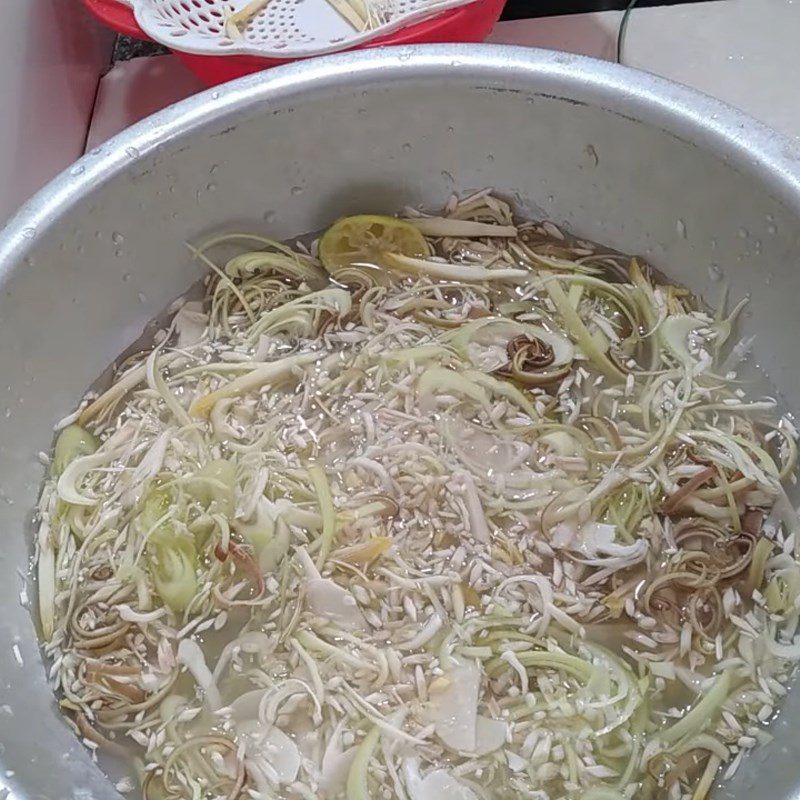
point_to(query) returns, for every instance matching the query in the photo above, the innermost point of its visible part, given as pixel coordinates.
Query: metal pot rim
(690, 115)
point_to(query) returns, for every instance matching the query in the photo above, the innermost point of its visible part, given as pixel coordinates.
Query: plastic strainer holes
(285, 28)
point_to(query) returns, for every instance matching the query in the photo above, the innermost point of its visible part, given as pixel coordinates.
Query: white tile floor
(51, 60)
(584, 34)
(134, 89)
(743, 51)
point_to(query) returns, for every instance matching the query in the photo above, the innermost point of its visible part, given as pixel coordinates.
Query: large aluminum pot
(616, 155)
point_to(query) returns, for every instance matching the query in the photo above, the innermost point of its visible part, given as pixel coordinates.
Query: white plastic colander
(284, 29)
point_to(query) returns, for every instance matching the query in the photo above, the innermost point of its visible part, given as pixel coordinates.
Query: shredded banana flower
(448, 505)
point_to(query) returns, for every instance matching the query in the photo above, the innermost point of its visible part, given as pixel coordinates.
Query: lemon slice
(365, 238)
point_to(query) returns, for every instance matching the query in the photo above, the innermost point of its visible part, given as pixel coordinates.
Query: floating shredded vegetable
(448, 506)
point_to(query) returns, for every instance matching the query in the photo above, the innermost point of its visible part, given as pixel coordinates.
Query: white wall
(52, 55)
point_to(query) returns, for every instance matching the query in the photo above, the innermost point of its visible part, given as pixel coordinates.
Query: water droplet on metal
(78, 169)
(715, 273)
(117, 237)
(215, 95)
(211, 187)
(29, 233)
(142, 297)
(29, 262)
(772, 229)
(743, 233)
(119, 252)
(407, 148)
(97, 151)
(490, 158)
(132, 152)
(214, 168)
(297, 190)
(451, 129)
(270, 216)
(126, 277)
(680, 227)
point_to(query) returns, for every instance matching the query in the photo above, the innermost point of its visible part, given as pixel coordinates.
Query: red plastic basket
(471, 23)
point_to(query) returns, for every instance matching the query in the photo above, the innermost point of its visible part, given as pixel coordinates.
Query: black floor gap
(527, 9)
